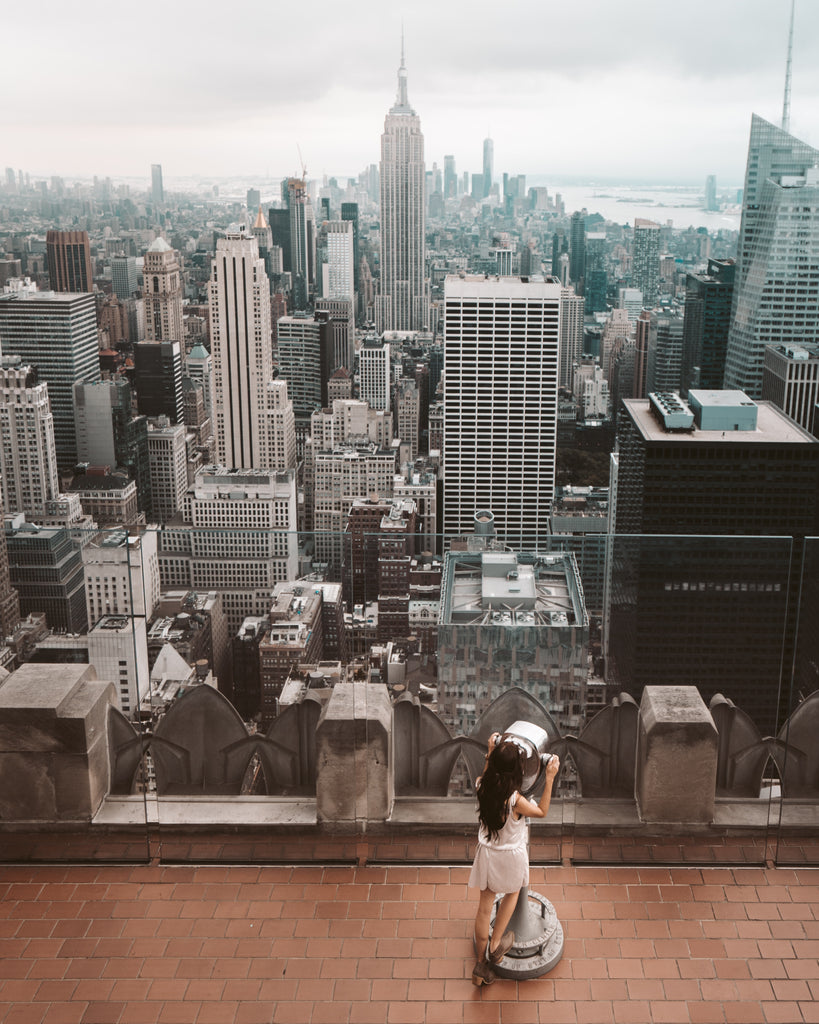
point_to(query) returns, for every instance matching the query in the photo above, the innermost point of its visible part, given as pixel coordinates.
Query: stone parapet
(677, 745)
(54, 763)
(354, 778)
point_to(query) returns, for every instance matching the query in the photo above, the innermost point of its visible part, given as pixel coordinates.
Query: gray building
(511, 620)
(56, 332)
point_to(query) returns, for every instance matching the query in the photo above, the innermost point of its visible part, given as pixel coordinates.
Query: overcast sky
(600, 89)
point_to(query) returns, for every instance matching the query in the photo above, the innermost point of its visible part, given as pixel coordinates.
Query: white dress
(502, 864)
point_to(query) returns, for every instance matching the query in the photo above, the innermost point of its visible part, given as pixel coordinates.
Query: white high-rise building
(121, 574)
(374, 373)
(338, 272)
(776, 288)
(572, 311)
(240, 324)
(281, 426)
(28, 456)
(168, 456)
(501, 343)
(402, 303)
(162, 278)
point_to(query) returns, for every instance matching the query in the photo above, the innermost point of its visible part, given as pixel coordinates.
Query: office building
(577, 250)
(239, 300)
(254, 198)
(121, 574)
(450, 178)
(108, 499)
(348, 472)
(572, 311)
(402, 302)
(301, 240)
(708, 299)
(306, 351)
(168, 460)
(342, 326)
(645, 265)
(741, 480)
(236, 535)
(57, 334)
(374, 380)
(281, 426)
(158, 379)
(501, 345)
(45, 567)
(157, 189)
(69, 261)
(349, 213)
(110, 437)
(790, 380)
(163, 293)
(407, 413)
(124, 278)
(665, 352)
(505, 621)
(199, 367)
(488, 166)
(776, 289)
(711, 204)
(338, 263)
(28, 454)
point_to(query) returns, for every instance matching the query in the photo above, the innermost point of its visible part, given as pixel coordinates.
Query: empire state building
(402, 302)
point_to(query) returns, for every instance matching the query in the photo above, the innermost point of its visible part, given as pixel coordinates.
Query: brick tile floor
(392, 945)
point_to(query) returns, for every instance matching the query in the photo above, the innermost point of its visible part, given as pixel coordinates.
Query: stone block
(353, 745)
(54, 763)
(676, 769)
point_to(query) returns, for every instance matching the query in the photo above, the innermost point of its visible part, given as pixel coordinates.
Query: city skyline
(692, 79)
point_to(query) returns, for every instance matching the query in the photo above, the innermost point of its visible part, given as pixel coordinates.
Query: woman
(501, 862)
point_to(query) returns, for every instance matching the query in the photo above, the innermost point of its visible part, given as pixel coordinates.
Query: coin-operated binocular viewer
(538, 933)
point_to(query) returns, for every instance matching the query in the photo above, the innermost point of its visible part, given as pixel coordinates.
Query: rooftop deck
(290, 944)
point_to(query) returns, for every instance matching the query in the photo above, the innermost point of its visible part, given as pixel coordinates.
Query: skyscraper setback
(776, 291)
(402, 302)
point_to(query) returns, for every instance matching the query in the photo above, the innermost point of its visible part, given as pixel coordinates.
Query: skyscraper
(718, 465)
(374, 373)
(162, 275)
(577, 250)
(69, 261)
(158, 379)
(401, 304)
(645, 267)
(338, 268)
(57, 333)
(124, 276)
(450, 178)
(488, 165)
(707, 319)
(776, 291)
(28, 457)
(239, 296)
(501, 342)
(157, 190)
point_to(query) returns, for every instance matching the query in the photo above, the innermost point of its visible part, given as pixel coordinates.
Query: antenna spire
(786, 103)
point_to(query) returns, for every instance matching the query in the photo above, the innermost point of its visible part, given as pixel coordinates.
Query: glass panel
(794, 756)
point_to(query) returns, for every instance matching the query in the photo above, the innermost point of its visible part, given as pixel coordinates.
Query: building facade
(776, 290)
(501, 345)
(402, 301)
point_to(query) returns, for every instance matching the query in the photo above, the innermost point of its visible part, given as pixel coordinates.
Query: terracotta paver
(319, 945)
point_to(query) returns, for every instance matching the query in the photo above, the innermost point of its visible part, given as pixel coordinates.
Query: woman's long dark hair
(503, 775)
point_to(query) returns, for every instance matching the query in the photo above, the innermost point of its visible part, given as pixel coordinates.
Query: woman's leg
(482, 918)
(503, 916)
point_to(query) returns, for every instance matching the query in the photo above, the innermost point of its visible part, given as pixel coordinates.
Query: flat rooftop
(773, 427)
(310, 944)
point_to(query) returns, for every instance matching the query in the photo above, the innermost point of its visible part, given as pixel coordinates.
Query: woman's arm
(526, 808)
(494, 740)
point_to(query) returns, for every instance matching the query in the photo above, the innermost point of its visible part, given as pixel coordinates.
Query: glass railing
(223, 688)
